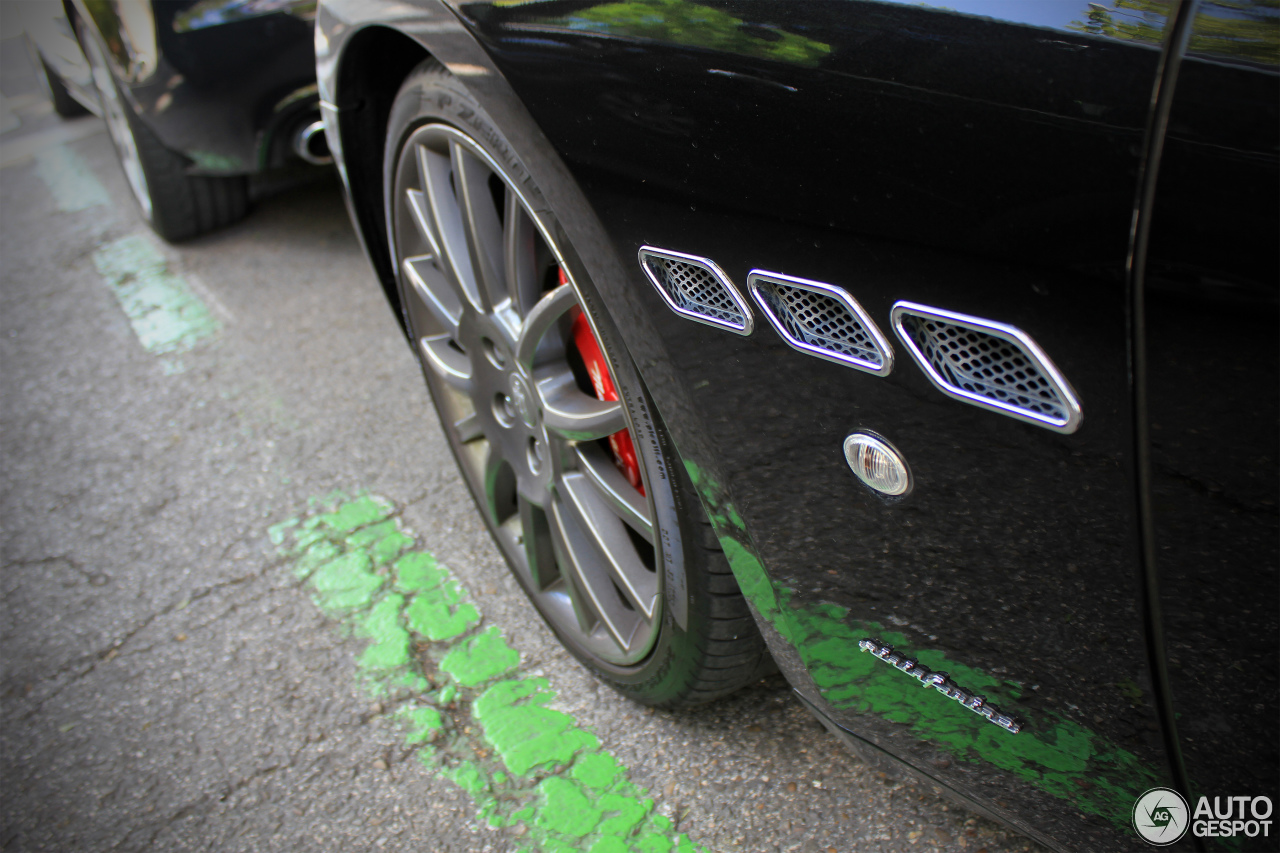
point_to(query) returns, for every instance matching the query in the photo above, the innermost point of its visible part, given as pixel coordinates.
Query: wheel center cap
(522, 400)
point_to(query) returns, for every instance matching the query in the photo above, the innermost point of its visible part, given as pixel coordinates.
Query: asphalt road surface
(224, 495)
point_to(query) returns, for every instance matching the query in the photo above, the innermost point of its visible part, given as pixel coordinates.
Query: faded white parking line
(22, 148)
(8, 119)
(166, 314)
(69, 179)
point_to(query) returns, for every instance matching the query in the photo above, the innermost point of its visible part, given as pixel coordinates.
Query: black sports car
(197, 95)
(930, 354)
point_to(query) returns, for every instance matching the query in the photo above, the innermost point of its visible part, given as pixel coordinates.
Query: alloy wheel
(113, 112)
(492, 312)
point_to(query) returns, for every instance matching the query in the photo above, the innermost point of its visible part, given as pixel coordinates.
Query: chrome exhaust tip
(310, 144)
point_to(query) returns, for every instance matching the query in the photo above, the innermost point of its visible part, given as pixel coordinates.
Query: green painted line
(1052, 753)
(69, 179)
(166, 315)
(457, 687)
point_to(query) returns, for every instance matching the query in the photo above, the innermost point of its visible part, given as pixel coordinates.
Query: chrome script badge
(941, 682)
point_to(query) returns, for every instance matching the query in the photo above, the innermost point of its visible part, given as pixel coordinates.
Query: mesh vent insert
(988, 364)
(696, 288)
(821, 320)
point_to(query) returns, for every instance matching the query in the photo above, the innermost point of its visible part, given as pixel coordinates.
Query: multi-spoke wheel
(546, 415)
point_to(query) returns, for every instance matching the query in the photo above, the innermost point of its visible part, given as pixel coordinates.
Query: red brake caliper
(624, 451)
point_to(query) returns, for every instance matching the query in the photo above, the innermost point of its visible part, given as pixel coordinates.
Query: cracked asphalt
(167, 683)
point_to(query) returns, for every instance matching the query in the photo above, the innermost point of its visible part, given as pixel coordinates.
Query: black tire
(185, 206)
(719, 649)
(63, 103)
(176, 205)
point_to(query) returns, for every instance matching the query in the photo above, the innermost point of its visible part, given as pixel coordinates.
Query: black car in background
(928, 353)
(197, 94)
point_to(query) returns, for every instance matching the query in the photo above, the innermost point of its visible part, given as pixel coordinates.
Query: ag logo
(1160, 816)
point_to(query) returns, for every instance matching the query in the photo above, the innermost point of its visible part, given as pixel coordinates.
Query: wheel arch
(373, 64)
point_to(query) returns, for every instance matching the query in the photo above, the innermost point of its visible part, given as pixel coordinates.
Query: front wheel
(176, 205)
(557, 438)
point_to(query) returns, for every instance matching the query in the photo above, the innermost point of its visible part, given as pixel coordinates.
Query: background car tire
(176, 205)
(63, 103)
(719, 648)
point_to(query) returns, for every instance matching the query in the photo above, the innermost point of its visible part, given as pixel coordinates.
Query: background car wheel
(176, 205)
(63, 103)
(557, 438)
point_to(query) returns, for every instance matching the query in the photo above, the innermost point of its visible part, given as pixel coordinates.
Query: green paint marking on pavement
(442, 614)
(466, 708)
(344, 582)
(424, 723)
(418, 572)
(524, 732)
(165, 314)
(69, 179)
(390, 647)
(480, 658)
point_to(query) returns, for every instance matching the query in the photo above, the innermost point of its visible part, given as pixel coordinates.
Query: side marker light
(877, 463)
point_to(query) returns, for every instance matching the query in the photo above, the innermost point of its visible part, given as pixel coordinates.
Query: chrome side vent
(988, 364)
(696, 288)
(821, 320)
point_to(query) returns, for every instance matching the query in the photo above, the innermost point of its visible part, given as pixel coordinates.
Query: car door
(1214, 383)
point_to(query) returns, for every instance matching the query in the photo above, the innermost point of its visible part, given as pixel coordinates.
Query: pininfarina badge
(941, 682)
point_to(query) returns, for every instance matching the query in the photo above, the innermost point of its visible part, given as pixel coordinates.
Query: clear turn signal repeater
(878, 464)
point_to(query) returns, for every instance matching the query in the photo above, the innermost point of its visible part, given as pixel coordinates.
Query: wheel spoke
(431, 287)
(539, 550)
(113, 108)
(608, 536)
(519, 256)
(584, 611)
(499, 485)
(593, 603)
(623, 499)
(468, 428)
(595, 599)
(472, 456)
(450, 363)
(572, 414)
(480, 224)
(538, 322)
(436, 172)
(418, 207)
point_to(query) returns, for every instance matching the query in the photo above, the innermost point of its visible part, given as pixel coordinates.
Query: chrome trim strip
(710, 266)
(1011, 334)
(840, 295)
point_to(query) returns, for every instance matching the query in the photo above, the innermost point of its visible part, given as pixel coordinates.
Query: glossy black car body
(1104, 180)
(224, 82)
(225, 86)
